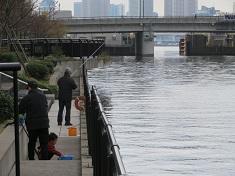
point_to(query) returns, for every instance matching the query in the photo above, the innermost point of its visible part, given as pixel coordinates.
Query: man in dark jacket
(66, 85)
(37, 122)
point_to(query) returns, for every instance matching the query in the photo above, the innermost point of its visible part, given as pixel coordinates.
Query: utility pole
(140, 8)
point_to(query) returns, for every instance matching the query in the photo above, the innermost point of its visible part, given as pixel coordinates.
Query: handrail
(103, 147)
(20, 81)
(114, 146)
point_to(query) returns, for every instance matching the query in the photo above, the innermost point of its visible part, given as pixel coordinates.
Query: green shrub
(8, 57)
(51, 59)
(47, 63)
(53, 89)
(6, 107)
(38, 70)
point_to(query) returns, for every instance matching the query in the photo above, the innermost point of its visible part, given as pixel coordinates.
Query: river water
(172, 115)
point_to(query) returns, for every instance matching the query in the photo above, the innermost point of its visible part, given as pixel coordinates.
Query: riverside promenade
(66, 145)
(77, 146)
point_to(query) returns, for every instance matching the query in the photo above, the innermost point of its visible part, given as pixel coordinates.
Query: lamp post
(140, 7)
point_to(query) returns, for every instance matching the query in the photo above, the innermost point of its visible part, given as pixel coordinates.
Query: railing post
(16, 120)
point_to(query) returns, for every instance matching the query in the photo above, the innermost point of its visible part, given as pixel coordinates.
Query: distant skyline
(223, 5)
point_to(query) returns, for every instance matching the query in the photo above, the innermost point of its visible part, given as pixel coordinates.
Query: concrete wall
(212, 51)
(7, 150)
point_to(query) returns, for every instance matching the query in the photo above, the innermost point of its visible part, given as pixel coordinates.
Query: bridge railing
(145, 17)
(103, 147)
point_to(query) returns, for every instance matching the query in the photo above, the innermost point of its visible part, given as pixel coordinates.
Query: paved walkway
(66, 144)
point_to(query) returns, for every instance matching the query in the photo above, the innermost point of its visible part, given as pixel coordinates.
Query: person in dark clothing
(66, 84)
(37, 122)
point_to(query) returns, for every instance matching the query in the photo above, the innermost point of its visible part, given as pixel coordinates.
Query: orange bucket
(72, 131)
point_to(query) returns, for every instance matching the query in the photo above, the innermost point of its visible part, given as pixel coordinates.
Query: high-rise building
(148, 8)
(207, 11)
(96, 8)
(117, 10)
(78, 12)
(180, 7)
(134, 8)
(140, 7)
(233, 7)
(168, 6)
(47, 6)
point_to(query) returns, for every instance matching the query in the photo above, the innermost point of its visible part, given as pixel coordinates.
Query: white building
(233, 7)
(180, 7)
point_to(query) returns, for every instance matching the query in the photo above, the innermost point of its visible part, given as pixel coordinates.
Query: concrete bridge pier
(144, 44)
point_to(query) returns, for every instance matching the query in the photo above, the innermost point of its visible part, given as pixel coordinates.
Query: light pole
(140, 7)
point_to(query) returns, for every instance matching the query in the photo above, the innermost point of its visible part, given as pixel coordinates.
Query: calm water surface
(172, 115)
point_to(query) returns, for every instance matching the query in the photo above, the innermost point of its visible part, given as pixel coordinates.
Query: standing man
(66, 86)
(37, 122)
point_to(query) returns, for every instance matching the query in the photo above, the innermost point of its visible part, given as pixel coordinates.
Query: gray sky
(224, 5)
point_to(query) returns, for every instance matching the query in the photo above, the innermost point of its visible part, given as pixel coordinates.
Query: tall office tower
(86, 8)
(78, 12)
(47, 5)
(140, 7)
(134, 8)
(148, 8)
(233, 7)
(117, 10)
(180, 7)
(168, 6)
(96, 8)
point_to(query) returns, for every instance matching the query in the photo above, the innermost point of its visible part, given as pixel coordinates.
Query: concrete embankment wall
(7, 147)
(212, 51)
(7, 150)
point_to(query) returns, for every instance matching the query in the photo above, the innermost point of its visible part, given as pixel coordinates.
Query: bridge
(153, 24)
(145, 27)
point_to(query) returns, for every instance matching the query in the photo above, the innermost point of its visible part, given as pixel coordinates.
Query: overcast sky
(224, 5)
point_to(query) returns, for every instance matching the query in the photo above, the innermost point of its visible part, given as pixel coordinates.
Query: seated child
(51, 146)
(52, 140)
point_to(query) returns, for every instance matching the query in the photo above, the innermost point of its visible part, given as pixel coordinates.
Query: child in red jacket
(51, 146)
(52, 140)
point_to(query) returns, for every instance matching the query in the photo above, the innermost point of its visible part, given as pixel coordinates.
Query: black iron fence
(103, 148)
(68, 47)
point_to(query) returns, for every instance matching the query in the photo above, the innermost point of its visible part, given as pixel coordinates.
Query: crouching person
(37, 122)
(52, 140)
(51, 146)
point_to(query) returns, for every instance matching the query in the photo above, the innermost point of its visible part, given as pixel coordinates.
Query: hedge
(8, 57)
(6, 107)
(38, 70)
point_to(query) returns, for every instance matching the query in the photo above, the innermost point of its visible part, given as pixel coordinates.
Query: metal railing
(103, 147)
(20, 81)
(137, 17)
